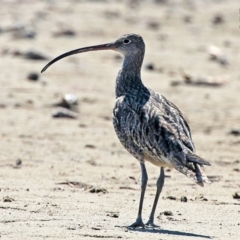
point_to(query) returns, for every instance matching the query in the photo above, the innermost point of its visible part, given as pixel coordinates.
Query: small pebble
(95, 228)
(153, 25)
(236, 195)
(64, 113)
(167, 213)
(171, 198)
(218, 19)
(2, 105)
(33, 55)
(69, 101)
(33, 76)
(98, 190)
(90, 146)
(235, 132)
(150, 66)
(202, 198)
(18, 162)
(114, 215)
(67, 32)
(7, 199)
(183, 199)
(187, 19)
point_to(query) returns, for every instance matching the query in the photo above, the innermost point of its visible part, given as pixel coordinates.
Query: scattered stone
(175, 83)
(107, 118)
(33, 76)
(236, 195)
(167, 213)
(187, 19)
(17, 105)
(18, 162)
(132, 178)
(7, 199)
(215, 54)
(153, 25)
(98, 190)
(235, 132)
(127, 187)
(218, 19)
(29, 102)
(171, 198)
(114, 215)
(33, 55)
(96, 228)
(118, 57)
(150, 66)
(90, 146)
(201, 198)
(15, 53)
(71, 228)
(64, 113)
(223, 61)
(2, 105)
(75, 185)
(183, 199)
(69, 101)
(66, 32)
(92, 162)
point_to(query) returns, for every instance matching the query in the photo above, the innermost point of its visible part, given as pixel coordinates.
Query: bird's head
(128, 45)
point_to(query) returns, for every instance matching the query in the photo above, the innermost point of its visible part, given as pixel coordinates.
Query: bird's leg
(139, 222)
(160, 183)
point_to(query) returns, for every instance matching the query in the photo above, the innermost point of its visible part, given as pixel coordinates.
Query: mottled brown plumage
(148, 125)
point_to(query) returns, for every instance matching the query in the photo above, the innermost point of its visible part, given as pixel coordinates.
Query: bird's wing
(172, 116)
(164, 131)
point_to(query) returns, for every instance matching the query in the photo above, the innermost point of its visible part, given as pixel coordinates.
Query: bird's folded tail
(200, 175)
(193, 170)
(191, 157)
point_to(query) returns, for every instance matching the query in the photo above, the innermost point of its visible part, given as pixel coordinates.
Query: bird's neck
(129, 77)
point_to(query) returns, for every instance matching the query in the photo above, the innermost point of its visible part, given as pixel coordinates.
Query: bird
(149, 126)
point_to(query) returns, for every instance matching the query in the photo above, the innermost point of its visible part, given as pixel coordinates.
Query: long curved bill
(107, 46)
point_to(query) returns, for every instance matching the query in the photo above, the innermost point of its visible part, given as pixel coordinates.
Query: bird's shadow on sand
(164, 231)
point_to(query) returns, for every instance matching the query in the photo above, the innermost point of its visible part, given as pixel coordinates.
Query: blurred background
(57, 126)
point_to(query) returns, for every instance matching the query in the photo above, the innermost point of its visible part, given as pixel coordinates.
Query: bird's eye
(126, 41)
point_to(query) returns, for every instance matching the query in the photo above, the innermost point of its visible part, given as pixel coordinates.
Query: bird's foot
(138, 223)
(150, 224)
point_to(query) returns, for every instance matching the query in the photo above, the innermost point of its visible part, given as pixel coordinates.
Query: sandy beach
(69, 177)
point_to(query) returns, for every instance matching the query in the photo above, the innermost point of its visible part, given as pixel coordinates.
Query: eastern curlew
(148, 125)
